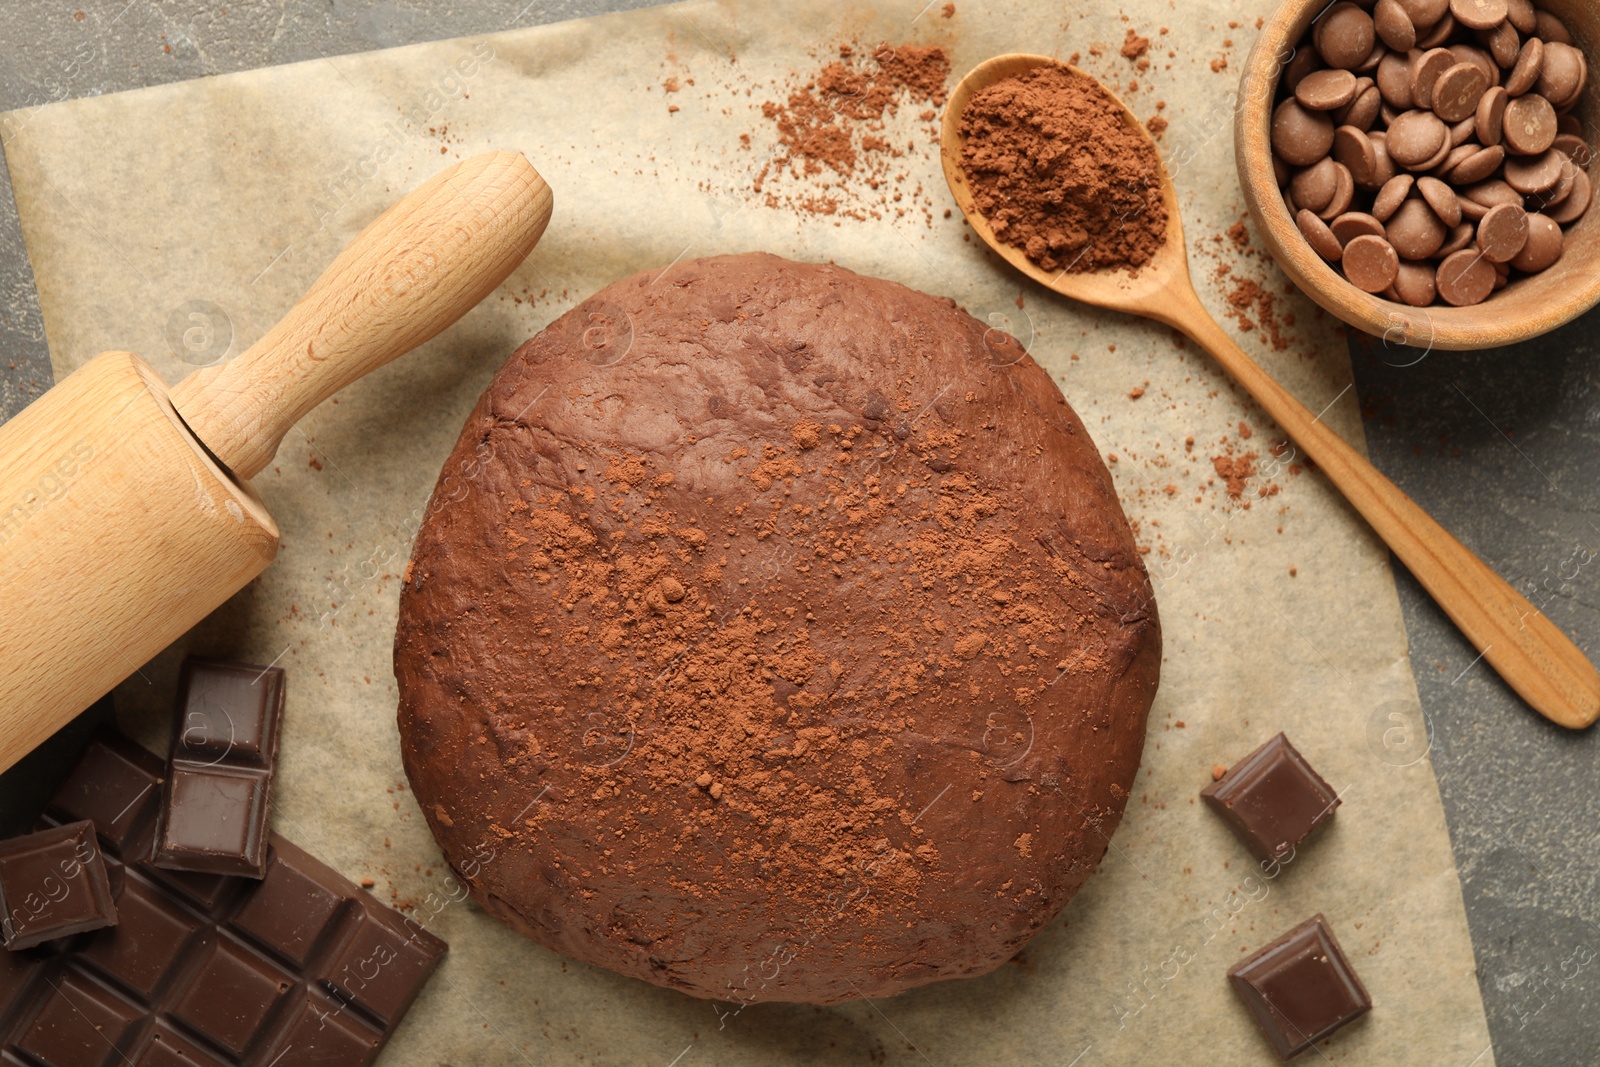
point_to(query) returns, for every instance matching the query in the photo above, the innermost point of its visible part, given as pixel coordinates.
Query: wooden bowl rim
(1441, 326)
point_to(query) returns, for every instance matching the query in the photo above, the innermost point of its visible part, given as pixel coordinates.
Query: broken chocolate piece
(1272, 799)
(53, 884)
(1300, 988)
(219, 778)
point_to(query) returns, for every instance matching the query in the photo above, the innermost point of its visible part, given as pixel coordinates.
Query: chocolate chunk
(1300, 988)
(53, 884)
(215, 804)
(201, 970)
(1272, 798)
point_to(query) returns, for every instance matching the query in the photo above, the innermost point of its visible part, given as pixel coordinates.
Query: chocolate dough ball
(774, 633)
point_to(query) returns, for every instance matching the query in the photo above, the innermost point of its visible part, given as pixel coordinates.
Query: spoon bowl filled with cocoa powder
(1062, 181)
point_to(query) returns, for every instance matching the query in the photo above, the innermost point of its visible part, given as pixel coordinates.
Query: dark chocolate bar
(1272, 799)
(218, 791)
(203, 970)
(1300, 988)
(53, 884)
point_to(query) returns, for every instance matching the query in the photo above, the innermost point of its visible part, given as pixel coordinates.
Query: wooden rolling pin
(126, 516)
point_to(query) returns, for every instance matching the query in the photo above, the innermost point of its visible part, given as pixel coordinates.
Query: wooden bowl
(1528, 307)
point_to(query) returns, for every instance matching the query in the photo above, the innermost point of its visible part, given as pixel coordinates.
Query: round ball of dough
(774, 633)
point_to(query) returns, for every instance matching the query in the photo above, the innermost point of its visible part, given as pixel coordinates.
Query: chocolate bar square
(53, 884)
(1272, 799)
(223, 757)
(1300, 988)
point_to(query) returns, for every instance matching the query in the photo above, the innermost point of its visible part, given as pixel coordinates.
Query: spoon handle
(1534, 657)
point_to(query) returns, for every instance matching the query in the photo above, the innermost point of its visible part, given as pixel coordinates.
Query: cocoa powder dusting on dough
(1058, 173)
(757, 703)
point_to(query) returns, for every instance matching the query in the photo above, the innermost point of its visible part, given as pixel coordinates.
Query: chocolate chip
(1492, 193)
(1313, 188)
(1442, 199)
(1502, 233)
(1415, 137)
(1543, 248)
(1426, 70)
(1466, 53)
(1394, 82)
(1319, 236)
(1344, 194)
(1572, 208)
(1353, 148)
(1385, 168)
(1458, 155)
(1562, 74)
(1391, 196)
(1353, 224)
(1530, 123)
(1478, 166)
(1504, 44)
(1371, 264)
(1457, 92)
(1326, 90)
(1414, 283)
(1415, 231)
(1490, 119)
(1530, 63)
(1302, 137)
(1479, 14)
(1437, 160)
(1345, 36)
(1363, 111)
(1465, 278)
(1460, 237)
(1575, 148)
(1557, 196)
(1536, 174)
(1439, 34)
(1394, 26)
(1520, 13)
(1425, 13)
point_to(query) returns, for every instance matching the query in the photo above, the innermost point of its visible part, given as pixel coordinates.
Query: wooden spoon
(1531, 654)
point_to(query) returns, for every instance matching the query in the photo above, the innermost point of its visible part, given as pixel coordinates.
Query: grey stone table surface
(1502, 446)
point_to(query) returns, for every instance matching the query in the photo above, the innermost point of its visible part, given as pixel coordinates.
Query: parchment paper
(224, 198)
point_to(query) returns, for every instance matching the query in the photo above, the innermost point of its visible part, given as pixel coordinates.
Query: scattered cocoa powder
(1059, 174)
(834, 129)
(1236, 470)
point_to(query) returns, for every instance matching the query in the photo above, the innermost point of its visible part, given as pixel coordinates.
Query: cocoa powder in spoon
(1059, 173)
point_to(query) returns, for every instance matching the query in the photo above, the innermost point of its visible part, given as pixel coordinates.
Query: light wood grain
(1528, 651)
(418, 268)
(1526, 308)
(117, 534)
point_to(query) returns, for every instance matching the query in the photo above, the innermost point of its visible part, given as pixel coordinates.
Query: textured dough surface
(774, 633)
